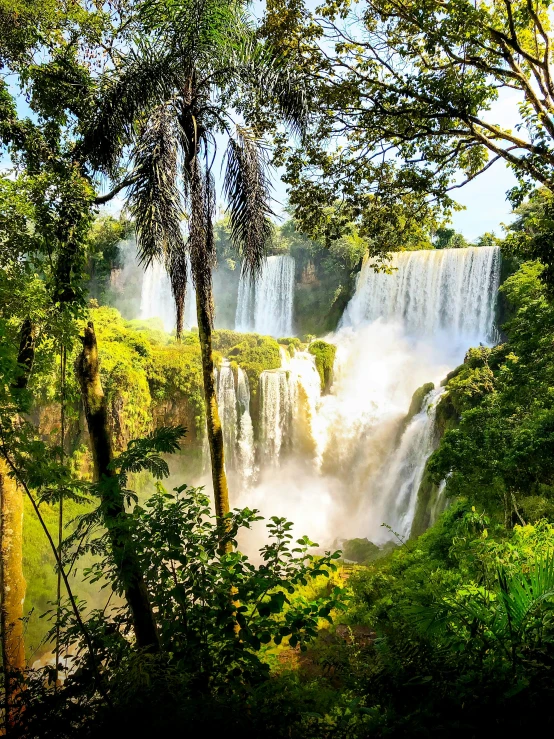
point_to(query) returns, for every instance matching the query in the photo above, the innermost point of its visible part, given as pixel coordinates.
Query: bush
(215, 611)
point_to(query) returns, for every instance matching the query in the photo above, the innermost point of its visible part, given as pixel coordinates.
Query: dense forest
(275, 468)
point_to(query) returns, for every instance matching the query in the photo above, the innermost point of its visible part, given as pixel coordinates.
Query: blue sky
(485, 201)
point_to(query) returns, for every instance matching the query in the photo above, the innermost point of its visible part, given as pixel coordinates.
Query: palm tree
(198, 71)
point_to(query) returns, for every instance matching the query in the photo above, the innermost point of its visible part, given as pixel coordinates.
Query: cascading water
(227, 407)
(288, 407)
(275, 415)
(246, 451)
(156, 299)
(348, 467)
(399, 482)
(434, 291)
(265, 305)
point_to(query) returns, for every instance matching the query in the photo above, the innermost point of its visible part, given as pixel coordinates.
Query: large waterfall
(433, 291)
(265, 305)
(347, 461)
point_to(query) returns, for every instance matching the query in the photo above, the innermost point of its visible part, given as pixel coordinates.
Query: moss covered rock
(324, 354)
(416, 404)
(254, 354)
(360, 550)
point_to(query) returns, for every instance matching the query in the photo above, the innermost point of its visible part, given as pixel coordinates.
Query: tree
(499, 453)
(52, 52)
(403, 91)
(530, 235)
(167, 99)
(113, 501)
(448, 238)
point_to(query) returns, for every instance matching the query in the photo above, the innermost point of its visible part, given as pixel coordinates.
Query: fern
(145, 454)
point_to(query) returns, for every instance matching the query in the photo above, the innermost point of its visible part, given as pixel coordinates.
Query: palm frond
(177, 269)
(154, 200)
(144, 454)
(201, 236)
(147, 75)
(272, 79)
(522, 596)
(196, 28)
(247, 190)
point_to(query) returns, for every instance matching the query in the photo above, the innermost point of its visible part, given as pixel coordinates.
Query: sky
(486, 207)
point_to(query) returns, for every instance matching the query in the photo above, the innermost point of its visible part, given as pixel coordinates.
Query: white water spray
(266, 305)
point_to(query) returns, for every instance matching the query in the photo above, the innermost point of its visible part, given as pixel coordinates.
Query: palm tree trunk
(13, 588)
(180, 315)
(213, 423)
(115, 517)
(202, 258)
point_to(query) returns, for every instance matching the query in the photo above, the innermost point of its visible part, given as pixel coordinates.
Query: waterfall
(156, 299)
(275, 415)
(233, 403)
(446, 290)
(266, 304)
(289, 399)
(398, 485)
(246, 452)
(347, 463)
(227, 407)
(305, 393)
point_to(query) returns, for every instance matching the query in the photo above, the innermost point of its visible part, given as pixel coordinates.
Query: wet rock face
(309, 275)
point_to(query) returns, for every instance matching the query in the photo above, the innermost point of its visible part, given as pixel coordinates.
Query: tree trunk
(113, 504)
(26, 354)
(180, 315)
(12, 581)
(213, 423)
(13, 587)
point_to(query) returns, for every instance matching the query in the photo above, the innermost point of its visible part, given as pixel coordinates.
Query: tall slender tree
(52, 51)
(199, 73)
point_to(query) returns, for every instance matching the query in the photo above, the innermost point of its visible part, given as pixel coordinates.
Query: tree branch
(102, 199)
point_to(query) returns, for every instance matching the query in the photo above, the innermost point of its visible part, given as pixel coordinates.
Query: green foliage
(324, 354)
(325, 274)
(360, 550)
(498, 454)
(530, 234)
(392, 128)
(215, 610)
(103, 251)
(464, 611)
(448, 238)
(255, 354)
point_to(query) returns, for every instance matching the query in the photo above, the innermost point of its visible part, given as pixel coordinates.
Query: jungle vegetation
(449, 633)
